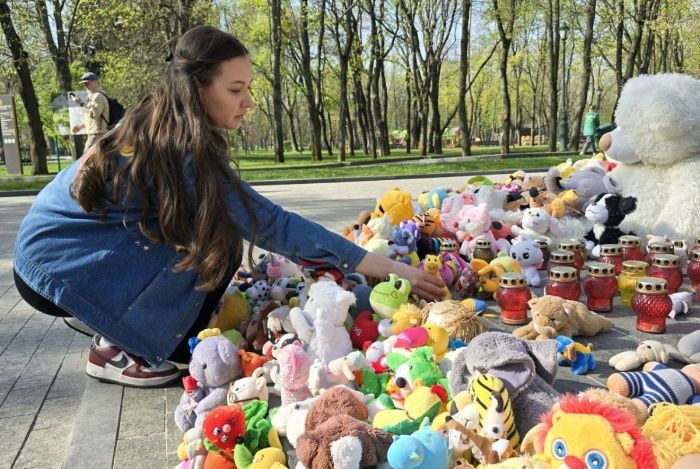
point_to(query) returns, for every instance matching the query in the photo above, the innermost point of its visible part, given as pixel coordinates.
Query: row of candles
(643, 281)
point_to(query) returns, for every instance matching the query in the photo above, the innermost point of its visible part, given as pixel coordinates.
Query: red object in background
(546, 253)
(561, 259)
(657, 247)
(667, 267)
(631, 248)
(652, 304)
(574, 246)
(694, 269)
(512, 297)
(223, 425)
(612, 254)
(600, 287)
(189, 383)
(364, 329)
(563, 282)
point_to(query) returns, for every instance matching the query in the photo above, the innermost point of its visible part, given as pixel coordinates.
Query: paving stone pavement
(52, 416)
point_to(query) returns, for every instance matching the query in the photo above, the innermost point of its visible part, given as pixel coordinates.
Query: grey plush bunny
(527, 368)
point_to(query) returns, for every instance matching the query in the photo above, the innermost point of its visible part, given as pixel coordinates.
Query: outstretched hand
(427, 286)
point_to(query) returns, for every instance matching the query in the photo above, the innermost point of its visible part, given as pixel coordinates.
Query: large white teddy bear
(657, 143)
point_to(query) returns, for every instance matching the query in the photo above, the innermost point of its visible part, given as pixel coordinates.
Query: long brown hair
(159, 131)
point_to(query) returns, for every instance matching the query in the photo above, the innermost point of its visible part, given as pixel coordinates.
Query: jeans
(181, 354)
(590, 143)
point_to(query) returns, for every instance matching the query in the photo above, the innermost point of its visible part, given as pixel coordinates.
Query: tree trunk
(505, 31)
(20, 61)
(585, 80)
(409, 113)
(435, 104)
(553, 34)
(309, 92)
(464, 77)
(276, 12)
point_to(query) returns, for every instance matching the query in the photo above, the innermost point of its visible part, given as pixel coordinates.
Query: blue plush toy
(578, 356)
(423, 449)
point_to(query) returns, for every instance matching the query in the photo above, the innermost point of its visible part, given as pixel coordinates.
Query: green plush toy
(417, 369)
(257, 425)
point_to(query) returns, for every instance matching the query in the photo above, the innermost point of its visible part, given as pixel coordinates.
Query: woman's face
(227, 98)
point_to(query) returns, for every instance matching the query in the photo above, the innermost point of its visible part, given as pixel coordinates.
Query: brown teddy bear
(334, 401)
(336, 434)
(553, 316)
(343, 441)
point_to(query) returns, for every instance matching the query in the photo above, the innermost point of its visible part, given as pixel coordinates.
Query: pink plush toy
(449, 210)
(411, 338)
(293, 375)
(475, 224)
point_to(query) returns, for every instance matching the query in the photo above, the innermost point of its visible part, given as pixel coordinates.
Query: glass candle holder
(600, 286)
(563, 282)
(512, 297)
(546, 253)
(694, 269)
(652, 304)
(573, 245)
(657, 247)
(584, 251)
(627, 281)
(667, 267)
(696, 244)
(561, 259)
(612, 254)
(631, 248)
(482, 250)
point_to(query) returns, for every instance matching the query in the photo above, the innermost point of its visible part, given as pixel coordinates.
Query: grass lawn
(261, 166)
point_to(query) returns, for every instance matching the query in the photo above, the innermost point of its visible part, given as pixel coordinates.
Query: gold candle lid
(695, 254)
(448, 244)
(635, 267)
(512, 280)
(483, 243)
(628, 241)
(652, 286)
(542, 243)
(669, 261)
(570, 245)
(562, 256)
(660, 246)
(610, 250)
(678, 243)
(601, 269)
(563, 274)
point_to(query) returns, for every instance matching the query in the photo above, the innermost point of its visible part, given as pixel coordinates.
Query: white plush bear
(657, 143)
(529, 255)
(537, 223)
(322, 321)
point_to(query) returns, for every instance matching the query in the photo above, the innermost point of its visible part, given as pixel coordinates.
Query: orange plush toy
(250, 362)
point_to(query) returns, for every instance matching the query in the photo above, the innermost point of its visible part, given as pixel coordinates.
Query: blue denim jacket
(115, 279)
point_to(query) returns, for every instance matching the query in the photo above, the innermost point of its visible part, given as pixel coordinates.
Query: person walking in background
(96, 110)
(590, 125)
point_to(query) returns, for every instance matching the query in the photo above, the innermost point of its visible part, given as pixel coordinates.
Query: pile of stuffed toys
(350, 372)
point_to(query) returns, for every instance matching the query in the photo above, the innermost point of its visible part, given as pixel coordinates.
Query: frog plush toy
(388, 296)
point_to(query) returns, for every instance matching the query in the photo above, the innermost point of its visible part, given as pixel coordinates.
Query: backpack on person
(116, 111)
